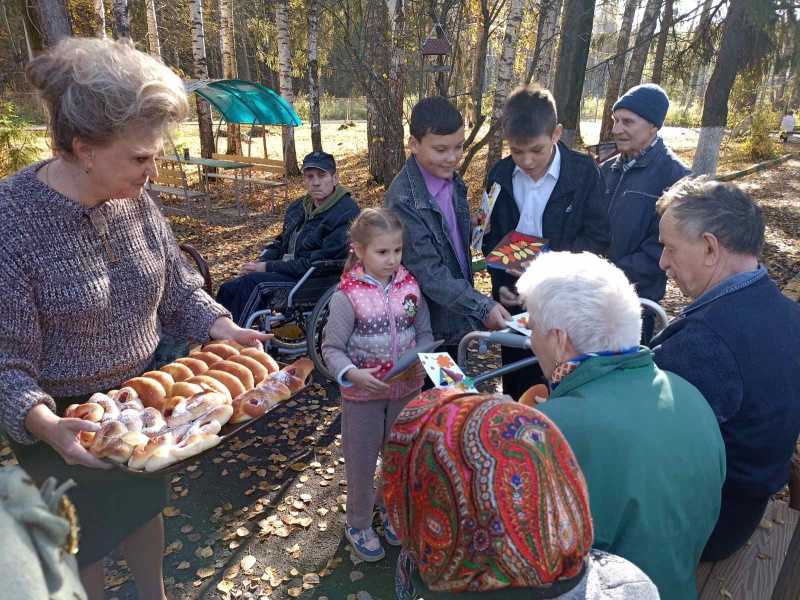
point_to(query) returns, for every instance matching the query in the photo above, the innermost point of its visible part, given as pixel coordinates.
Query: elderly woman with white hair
(646, 440)
(90, 277)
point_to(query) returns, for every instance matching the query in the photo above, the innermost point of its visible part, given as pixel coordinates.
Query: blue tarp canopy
(245, 102)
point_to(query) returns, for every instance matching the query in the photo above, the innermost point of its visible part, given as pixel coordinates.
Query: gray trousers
(365, 428)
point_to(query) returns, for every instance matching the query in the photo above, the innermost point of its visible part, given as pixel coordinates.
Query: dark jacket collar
(729, 286)
(567, 181)
(651, 154)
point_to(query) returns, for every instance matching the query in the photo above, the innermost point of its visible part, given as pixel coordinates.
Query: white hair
(585, 296)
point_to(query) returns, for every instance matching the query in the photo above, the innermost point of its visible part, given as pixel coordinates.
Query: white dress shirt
(532, 196)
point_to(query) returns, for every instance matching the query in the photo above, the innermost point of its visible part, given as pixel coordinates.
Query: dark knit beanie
(648, 100)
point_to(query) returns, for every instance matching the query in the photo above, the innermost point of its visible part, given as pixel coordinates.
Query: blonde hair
(95, 89)
(369, 223)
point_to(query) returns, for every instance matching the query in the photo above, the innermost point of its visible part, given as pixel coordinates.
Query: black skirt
(110, 504)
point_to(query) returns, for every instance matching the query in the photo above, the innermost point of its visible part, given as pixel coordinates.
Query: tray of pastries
(156, 422)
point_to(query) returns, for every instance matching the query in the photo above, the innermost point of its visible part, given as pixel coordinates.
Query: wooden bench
(172, 180)
(762, 568)
(272, 174)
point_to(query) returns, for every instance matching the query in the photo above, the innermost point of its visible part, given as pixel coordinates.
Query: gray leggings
(365, 428)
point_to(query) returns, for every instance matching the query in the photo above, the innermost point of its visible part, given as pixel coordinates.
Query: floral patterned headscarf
(485, 494)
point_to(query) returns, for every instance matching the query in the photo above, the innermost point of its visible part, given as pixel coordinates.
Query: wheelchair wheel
(314, 328)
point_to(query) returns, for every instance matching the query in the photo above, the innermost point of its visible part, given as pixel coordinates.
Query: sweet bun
(235, 387)
(221, 349)
(262, 357)
(258, 370)
(211, 384)
(207, 357)
(197, 366)
(88, 411)
(241, 372)
(536, 394)
(186, 388)
(165, 379)
(178, 371)
(150, 391)
(295, 376)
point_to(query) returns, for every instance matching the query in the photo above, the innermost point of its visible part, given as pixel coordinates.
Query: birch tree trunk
(228, 50)
(285, 67)
(737, 52)
(505, 73)
(312, 8)
(200, 66)
(100, 18)
(543, 61)
(153, 41)
(644, 36)
(54, 20)
(617, 67)
(479, 68)
(661, 46)
(122, 23)
(573, 52)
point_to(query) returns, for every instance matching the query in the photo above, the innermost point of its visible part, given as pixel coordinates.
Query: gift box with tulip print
(515, 251)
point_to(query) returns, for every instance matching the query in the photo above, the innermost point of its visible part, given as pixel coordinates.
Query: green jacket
(650, 448)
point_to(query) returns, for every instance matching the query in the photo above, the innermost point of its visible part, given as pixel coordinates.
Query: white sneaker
(365, 543)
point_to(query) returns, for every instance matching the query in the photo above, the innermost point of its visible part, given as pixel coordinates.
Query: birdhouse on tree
(434, 59)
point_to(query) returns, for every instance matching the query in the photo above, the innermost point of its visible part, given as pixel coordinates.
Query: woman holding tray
(90, 276)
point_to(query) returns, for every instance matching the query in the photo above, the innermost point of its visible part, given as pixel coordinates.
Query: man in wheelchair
(314, 229)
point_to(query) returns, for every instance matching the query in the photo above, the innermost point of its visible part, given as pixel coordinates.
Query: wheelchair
(514, 339)
(297, 315)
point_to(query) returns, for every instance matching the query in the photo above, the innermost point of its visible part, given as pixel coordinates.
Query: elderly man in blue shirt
(738, 342)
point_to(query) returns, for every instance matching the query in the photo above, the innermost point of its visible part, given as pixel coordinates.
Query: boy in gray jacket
(431, 200)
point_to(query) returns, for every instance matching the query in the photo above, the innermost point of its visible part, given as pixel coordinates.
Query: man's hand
(225, 329)
(497, 317)
(365, 380)
(508, 298)
(62, 435)
(253, 267)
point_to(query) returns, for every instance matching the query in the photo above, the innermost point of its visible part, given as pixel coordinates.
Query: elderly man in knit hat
(635, 179)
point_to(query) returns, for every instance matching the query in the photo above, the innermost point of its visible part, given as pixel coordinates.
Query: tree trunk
(644, 36)
(54, 20)
(661, 46)
(617, 67)
(153, 40)
(227, 46)
(505, 73)
(200, 67)
(576, 34)
(122, 23)
(384, 88)
(542, 63)
(312, 8)
(285, 63)
(100, 18)
(479, 66)
(736, 52)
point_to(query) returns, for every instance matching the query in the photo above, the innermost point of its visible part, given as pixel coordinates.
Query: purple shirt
(441, 190)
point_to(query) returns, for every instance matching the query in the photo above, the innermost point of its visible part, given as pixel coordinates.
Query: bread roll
(186, 388)
(207, 357)
(221, 349)
(162, 377)
(258, 401)
(262, 357)
(235, 387)
(197, 366)
(211, 384)
(178, 371)
(150, 392)
(88, 411)
(241, 372)
(295, 376)
(258, 370)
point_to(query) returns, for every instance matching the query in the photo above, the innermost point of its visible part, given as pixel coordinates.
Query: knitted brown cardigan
(84, 294)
